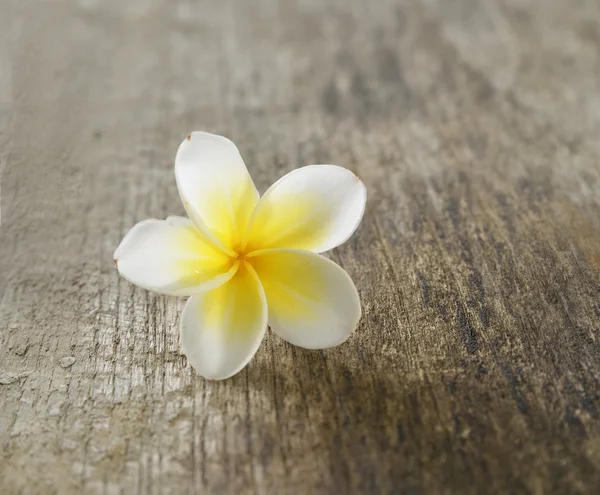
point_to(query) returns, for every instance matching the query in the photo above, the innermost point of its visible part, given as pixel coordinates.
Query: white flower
(247, 261)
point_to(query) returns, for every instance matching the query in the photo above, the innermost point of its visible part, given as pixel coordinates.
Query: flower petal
(315, 208)
(171, 257)
(221, 330)
(215, 187)
(313, 303)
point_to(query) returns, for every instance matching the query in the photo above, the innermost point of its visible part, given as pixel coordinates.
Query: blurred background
(474, 125)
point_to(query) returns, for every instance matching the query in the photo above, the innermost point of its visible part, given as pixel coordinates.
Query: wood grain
(475, 126)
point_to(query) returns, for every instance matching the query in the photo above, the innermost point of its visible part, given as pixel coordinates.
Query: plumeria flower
(249, 261)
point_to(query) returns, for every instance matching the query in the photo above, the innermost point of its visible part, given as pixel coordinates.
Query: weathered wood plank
(474, 126)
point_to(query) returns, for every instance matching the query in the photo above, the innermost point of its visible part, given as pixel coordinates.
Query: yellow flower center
(239, 250)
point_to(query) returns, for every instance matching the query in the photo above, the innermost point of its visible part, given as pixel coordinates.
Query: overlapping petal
(315, 208)
(171, 257)
(222, 329)
(215, 187)
(312, 302)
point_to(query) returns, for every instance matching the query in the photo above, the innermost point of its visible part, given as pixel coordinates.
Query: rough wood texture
(475, 126)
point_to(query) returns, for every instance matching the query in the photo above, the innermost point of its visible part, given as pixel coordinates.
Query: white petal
(171, 257)
(215, 186)
(313, 303)
(221, 330)
(315, 208)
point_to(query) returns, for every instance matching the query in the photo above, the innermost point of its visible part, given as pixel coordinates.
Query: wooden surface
(475, 126)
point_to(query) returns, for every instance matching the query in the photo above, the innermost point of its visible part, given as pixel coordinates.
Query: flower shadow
(327, 411)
